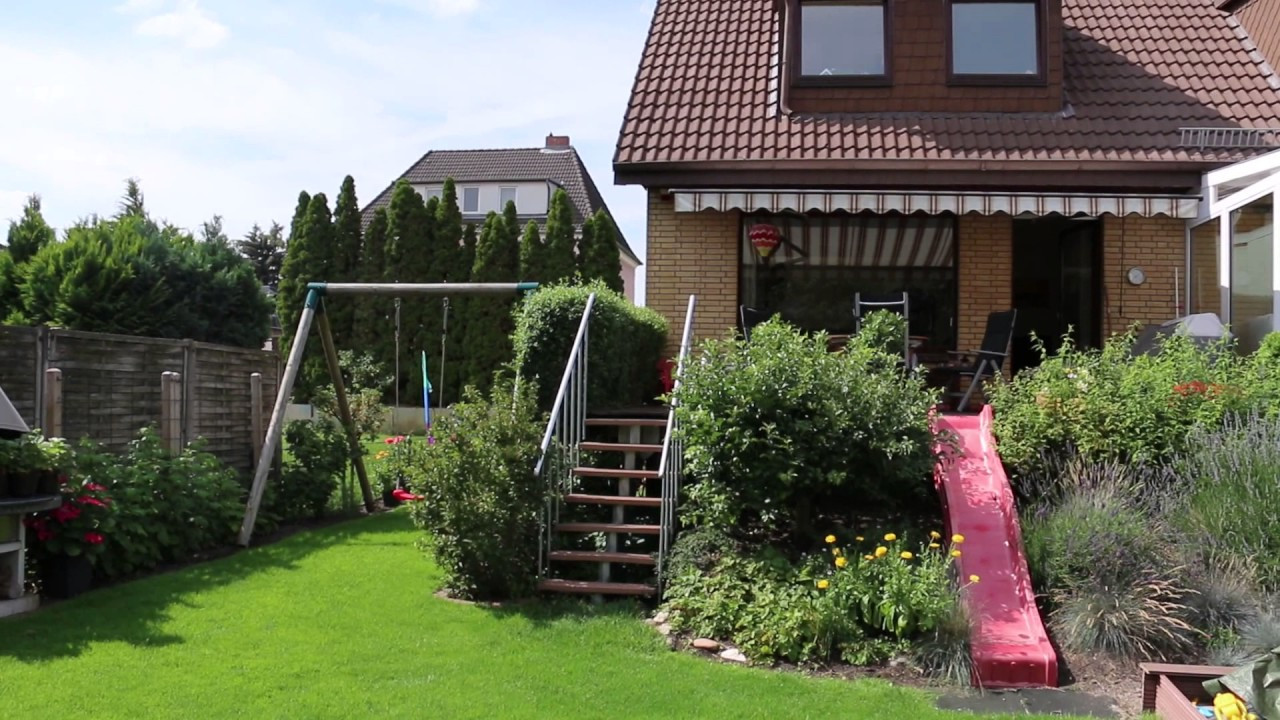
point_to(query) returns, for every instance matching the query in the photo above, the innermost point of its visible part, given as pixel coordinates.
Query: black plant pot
(48, 484)
(24, 484)
(63, 576)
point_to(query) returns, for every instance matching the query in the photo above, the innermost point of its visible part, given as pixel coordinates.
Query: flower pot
(63, 576)
(23, 484)
(48, 483)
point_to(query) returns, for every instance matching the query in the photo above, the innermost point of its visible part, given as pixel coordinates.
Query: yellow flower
(382, 455)
(823, 584)
(868, 557)
(973, 578)
(859, 538)
(882, 551)
(934, 546)
(906, 555)
(957, 538)
(955, 553)
(835, 551)
(831, 539)
(842, 561)
(935, 535)
(890, 537)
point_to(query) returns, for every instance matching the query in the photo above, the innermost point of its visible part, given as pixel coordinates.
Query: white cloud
(188, 23)
(442, 8)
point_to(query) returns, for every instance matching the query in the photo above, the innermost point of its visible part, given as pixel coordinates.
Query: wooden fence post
(52, 403)
(255, 416)
(190, 366)
(171, 411)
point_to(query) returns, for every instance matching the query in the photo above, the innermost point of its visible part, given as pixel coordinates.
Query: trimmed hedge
(625, 344)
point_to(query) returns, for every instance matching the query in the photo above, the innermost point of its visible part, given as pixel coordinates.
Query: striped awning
(881, 241)
(933, 203)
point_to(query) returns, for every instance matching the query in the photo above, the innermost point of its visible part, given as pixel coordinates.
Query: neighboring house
(1261, 20)
(488, 179)
(1092, 163)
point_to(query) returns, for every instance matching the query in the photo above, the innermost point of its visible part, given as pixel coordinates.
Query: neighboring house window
(471, 200)
(996, 42)
(842, 42)
(823, 260)
(506, 195)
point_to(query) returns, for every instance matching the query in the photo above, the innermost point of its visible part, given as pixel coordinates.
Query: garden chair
(978, 365)
(750, 317)
(864, 305)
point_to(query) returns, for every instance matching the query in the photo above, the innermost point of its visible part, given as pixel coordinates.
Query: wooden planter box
(1168, 690)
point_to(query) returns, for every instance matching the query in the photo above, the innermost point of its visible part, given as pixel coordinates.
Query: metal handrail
(566, 427)
(671, 464)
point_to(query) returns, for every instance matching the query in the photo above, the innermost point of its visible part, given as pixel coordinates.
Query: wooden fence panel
(19, 370)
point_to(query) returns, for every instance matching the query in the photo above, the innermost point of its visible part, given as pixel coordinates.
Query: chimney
(557, 142)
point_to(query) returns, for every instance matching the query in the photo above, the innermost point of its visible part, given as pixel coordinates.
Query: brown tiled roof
(1261, 19)
(562, 167)
(1136, 72)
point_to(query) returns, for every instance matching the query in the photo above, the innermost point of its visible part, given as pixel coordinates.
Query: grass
(341, 622)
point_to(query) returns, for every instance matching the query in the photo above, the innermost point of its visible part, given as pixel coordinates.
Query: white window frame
(475, 210)
(515, 196)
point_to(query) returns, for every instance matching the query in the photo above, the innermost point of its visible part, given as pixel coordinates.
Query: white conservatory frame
(1224, 191)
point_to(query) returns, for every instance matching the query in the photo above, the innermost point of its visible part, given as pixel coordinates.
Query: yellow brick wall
(985, 275)
(692, 254)
(1158, 246)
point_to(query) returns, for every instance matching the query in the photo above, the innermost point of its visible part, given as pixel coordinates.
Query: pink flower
(394, 440)
(44, 534)
(94, 487)
(93, 538)
(63, 480)
(66, 513)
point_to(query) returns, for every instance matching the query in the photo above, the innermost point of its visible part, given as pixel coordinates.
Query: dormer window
(996, 42)
(842, 42)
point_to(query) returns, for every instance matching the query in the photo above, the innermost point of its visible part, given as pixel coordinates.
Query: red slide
(1008, 641)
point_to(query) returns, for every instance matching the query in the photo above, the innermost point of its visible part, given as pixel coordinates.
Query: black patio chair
(750, 317)
(978, 365)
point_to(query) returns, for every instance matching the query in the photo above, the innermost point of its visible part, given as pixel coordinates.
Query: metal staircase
(612, 487)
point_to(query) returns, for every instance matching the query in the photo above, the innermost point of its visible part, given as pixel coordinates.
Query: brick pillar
(985, 275)
(692, 253)
(1158, 246)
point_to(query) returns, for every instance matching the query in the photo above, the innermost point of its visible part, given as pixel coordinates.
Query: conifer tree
(410, 231)
(561, 263)
(265, 252)
(372, 329)
(454, 267)
(28, 235)
(346, 261)
(132, 204)
(599, 256)
(487, 342)
(532, 254)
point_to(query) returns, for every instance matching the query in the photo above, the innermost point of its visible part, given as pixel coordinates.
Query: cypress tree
(454, 266)
(30, 234)
(409, 241)
(532, 254)
(372, 331)
(309, 258)
(346, 261)
(132, 204)
(599, 254)
(469, 240)
(296, 263)
(561, 262)
(487, 342)
(458, 367)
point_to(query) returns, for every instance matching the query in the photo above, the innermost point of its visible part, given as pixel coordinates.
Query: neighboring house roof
(1136, 73)
(1261, 19)
(560, 165)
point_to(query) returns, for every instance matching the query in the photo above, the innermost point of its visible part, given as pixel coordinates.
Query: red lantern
(765, 239)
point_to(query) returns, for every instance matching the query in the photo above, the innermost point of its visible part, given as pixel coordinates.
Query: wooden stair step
(608, 473)
(624, 558)
(626, 422)
(583, 587)
(628, 500)
(619, 447)
(626, 528)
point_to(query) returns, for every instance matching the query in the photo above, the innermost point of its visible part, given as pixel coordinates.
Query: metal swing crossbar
(313, 308)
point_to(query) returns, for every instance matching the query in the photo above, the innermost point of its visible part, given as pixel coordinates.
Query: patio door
(1056, 285)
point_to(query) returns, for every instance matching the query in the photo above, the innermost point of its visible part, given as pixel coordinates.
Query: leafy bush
(366, 382)
(79, 526)
(1268, 352)
(168, 508)
(483, 503)
(626, 344)
(318, 458)
(1108, 405)
(859, 608)
(779, 431)
(1231, 476)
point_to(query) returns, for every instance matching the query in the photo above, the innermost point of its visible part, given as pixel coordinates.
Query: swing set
(313, 311)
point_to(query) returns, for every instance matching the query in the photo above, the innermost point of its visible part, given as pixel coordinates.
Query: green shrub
(626, 344)
(783, 437)
(483, 503)
(317, 461)
(1231, 475)
(168, 508)
(366, 382)
(1108, 405)
(1268, 352)
(861, 609)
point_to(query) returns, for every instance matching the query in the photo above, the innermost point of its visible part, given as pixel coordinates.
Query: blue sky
(231, 107)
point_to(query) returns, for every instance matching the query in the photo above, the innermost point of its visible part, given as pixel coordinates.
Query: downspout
(786, 10)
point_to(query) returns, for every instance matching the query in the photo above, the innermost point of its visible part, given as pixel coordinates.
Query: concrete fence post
(52, 403)
(255, 416)
(171, 411)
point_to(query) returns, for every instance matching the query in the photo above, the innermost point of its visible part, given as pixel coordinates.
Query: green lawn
(342, 623)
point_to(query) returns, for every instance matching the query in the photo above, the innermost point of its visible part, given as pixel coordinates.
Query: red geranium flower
(66, 513)
(63, 480)
(93, 538)
(94, 487)
(44, 533)
(86, 500)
